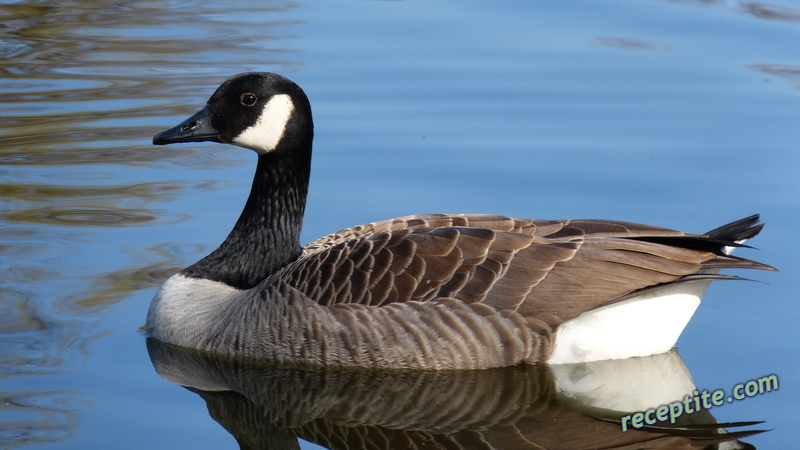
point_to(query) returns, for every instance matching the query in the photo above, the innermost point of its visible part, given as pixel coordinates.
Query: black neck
(267, 235)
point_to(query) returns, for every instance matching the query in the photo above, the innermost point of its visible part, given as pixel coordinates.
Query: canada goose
(428, 291)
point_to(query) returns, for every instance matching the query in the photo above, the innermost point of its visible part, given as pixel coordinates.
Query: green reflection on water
(83, 87)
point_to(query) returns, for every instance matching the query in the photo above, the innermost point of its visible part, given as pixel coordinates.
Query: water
(679, 114)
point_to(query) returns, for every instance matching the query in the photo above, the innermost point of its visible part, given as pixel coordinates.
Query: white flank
(640, 326)
(264, 135)
(185, 307)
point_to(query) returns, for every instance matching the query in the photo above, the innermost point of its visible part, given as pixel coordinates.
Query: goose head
(270, 115)
(261, 111)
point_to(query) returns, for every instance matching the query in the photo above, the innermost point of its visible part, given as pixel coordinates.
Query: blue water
(680, 114)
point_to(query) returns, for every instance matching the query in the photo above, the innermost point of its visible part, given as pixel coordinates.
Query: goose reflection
(575, 406)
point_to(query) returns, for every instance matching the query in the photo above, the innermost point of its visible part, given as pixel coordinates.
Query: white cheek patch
(264, 135)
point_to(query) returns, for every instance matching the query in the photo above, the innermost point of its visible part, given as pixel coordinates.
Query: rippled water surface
(682, 114)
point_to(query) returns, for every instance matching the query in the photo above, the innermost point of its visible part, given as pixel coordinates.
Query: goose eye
(248, 99)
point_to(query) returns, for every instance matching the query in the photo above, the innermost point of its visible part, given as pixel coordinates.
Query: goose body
(426, 291)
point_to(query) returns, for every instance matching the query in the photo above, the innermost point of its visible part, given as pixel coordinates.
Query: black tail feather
(738, 230)
(715, 240)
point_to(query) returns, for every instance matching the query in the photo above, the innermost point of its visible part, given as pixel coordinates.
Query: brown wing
(553, 270)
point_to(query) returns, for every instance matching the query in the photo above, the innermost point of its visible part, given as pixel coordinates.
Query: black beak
(194, 129)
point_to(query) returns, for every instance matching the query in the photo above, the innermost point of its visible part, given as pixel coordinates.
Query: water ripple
(771, 11)
(626, 43)
(83, 88)
(43, 416)
(785, 71)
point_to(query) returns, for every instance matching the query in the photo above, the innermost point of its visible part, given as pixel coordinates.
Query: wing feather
(551, 270)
